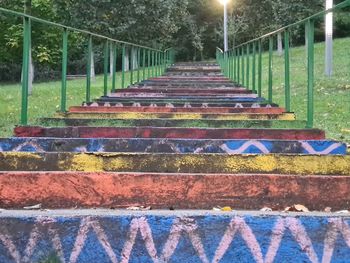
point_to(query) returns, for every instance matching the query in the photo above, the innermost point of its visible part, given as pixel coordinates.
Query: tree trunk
(279, 44)
(134, 58)
(127, 64)
(92, 69)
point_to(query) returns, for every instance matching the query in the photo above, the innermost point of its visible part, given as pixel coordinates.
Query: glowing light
(224, 2)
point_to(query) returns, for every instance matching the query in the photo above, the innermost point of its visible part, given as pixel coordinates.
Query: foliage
(194, 27)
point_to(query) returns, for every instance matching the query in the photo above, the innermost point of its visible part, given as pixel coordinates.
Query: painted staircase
(190, 139)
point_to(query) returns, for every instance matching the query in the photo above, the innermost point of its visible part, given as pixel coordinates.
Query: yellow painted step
(177, 163)
(179, 116)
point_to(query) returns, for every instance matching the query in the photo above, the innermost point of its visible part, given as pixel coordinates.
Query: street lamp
(224, 3)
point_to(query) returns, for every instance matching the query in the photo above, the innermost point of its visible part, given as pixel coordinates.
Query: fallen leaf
(343, 212)
(297, 208)
(226, 209)
(34, 207)
(328, 209)
(266, 209)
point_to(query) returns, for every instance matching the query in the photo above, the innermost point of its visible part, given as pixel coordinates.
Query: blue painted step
(322, 147)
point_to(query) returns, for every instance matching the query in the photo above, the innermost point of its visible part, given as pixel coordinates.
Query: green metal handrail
(241, 54)
(157, 59)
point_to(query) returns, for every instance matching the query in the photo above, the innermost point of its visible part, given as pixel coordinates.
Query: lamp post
(329, 40)
(224, 3)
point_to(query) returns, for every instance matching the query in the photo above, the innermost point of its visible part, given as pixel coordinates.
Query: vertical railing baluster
(131, 65)
(25, 69)
(270, 69)
(287, 71)
(234, 65)
(148, 64)
(254, 68)
(260, 68)
(248, 66)
(123, 66)
(243, 67)
(143, 64)
(88, 73)
(114, 66)
(310, 72)
(105, 68)
(64, 70)
(238, 66)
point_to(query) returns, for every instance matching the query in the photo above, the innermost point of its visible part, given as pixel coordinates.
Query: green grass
(45, 100)
(332, 95)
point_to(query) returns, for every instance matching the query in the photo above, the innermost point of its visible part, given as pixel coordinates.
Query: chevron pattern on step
(190, 139)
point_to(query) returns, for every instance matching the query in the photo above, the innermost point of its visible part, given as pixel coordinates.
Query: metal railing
(153, 61)
(236, 65)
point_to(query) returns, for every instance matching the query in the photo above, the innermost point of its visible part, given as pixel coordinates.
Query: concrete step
(155, 103)
(156, 109)
(184, 90)
(177, 163)
(105, 236)
(199, 95)
(199, 123)
(180, 191)
(139, 145)
(177, 116)
(184, 99)
(170, 133)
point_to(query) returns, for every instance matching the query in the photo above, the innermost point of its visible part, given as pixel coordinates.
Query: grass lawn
(332, 95)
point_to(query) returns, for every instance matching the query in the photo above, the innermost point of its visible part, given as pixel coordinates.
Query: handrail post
(270, 69)
(254, 68)
(88, 75)
(260, 68)
(234, 65)
(287, 70)
(123, 66)
(248, 66)
(64, 70)
(310, 72)
(114, 67)
(105, 68)
(25, 69)
(148, 64)
(238, 66)
(243, 67)
(131, 65)
(143, 64)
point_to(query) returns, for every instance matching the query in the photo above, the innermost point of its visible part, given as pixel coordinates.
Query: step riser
(173, 123)
(183, 105)
(102, 109)
(185, 90)
(180, 116)
(181, 191)
(177, 95)
(170, 133)
(189, 237)
(176, 163)
(171, 146)
(183, 100)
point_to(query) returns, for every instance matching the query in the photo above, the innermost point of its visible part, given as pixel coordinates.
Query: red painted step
(185, 90)
(180, 133)
(103, 109)
(181, 191)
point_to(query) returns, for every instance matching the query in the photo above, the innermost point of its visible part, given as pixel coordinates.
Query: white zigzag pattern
(311, 150)
(245, 146)
(181, 226)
